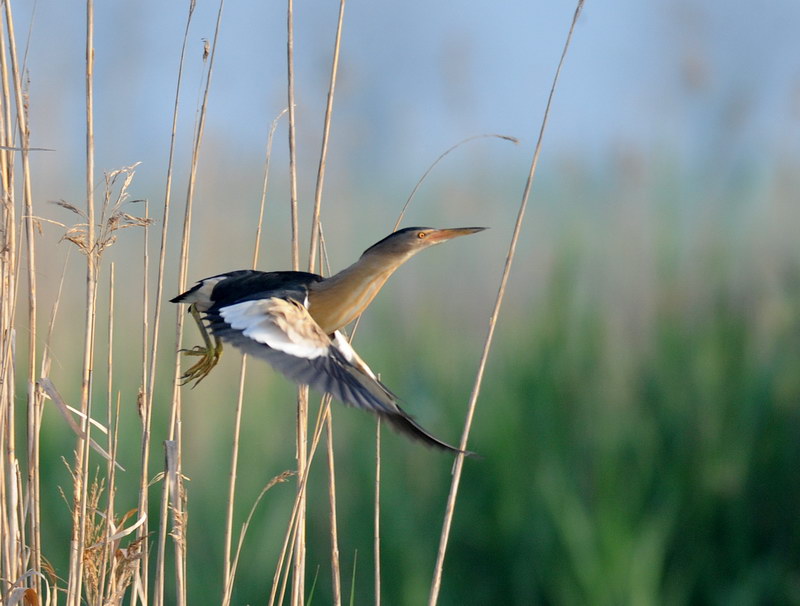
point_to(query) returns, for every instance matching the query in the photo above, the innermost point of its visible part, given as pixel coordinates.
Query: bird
(293, 320)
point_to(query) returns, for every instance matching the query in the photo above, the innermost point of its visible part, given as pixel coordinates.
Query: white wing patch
(350, 354)
(202, 296)
(278, 323)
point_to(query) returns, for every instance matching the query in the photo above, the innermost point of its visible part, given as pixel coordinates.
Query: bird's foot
(209, 357)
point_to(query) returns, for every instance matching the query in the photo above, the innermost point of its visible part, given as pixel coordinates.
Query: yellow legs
(209, 353)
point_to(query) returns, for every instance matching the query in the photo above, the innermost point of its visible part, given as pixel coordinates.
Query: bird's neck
(340, 299)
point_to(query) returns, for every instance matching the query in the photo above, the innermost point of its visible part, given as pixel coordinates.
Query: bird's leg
(209, 352)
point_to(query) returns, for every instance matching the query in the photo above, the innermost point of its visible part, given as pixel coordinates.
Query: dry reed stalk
(111, 547)
(227, 583)
(8, 253)
(6, 129)
(149, 387)
(326, 129)
(143, 409)
(80, 473)
(290, 538)
(92, 242)
(7, 305)
(33, 458)
(377, 530)
(178, 492)
(376, 515)
(108, 555)
(9, 563)
(303, 463)
(46, 353)
(459, 464)
(7, 532)
(441, 157)
(108, 585)
(301, 453)
(147, 353)
(18, 523)
(33, 425)
(332, 514)
(227, 565)
(19, 507)
(292, 135)
(8, 232)
(314, 244)
(283, 477)
(34, 577)
(145, 306)
(335, 562)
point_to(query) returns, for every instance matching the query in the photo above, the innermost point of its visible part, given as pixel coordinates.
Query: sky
(416, 76)
(710, 89)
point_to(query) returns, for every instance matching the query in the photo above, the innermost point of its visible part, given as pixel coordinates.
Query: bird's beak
(441, 235)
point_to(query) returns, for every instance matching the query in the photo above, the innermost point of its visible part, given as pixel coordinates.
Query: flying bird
(292, 320)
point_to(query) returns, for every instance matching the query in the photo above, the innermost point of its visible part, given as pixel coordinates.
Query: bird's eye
(421, 235)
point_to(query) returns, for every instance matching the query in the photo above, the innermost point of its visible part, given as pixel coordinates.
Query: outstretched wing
(281, 331)
(243, 285)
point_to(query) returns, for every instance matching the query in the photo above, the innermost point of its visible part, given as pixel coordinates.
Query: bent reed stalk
(473, 399)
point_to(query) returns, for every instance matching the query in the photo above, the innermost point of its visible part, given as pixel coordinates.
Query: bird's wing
(282, 332)
(244, 284)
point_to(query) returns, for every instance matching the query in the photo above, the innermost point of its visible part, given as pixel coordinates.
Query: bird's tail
(404, 423)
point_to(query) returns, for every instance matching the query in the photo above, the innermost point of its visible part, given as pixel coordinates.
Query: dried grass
(109, 552)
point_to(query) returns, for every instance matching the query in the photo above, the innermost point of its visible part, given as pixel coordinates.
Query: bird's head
(407, 242)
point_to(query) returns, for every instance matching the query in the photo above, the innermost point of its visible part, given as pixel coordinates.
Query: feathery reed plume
(92, 240)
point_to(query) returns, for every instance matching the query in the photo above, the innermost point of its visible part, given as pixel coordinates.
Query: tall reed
(110, 540)
(473, 400)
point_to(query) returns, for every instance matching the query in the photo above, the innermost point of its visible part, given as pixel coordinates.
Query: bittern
(292, 320)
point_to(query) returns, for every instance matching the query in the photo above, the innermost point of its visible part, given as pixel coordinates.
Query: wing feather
(281, 331)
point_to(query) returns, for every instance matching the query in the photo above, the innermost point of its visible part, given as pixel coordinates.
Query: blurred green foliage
(639, 425)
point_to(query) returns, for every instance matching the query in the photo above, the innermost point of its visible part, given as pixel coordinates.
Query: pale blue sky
(711, 83)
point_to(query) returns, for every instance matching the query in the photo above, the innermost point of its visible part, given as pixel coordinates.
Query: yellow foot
(209, 356)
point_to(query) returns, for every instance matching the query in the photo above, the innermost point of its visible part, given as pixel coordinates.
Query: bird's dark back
(247, 284)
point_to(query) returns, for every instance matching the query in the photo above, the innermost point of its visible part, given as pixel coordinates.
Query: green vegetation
(626, 461)
(639, 419)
